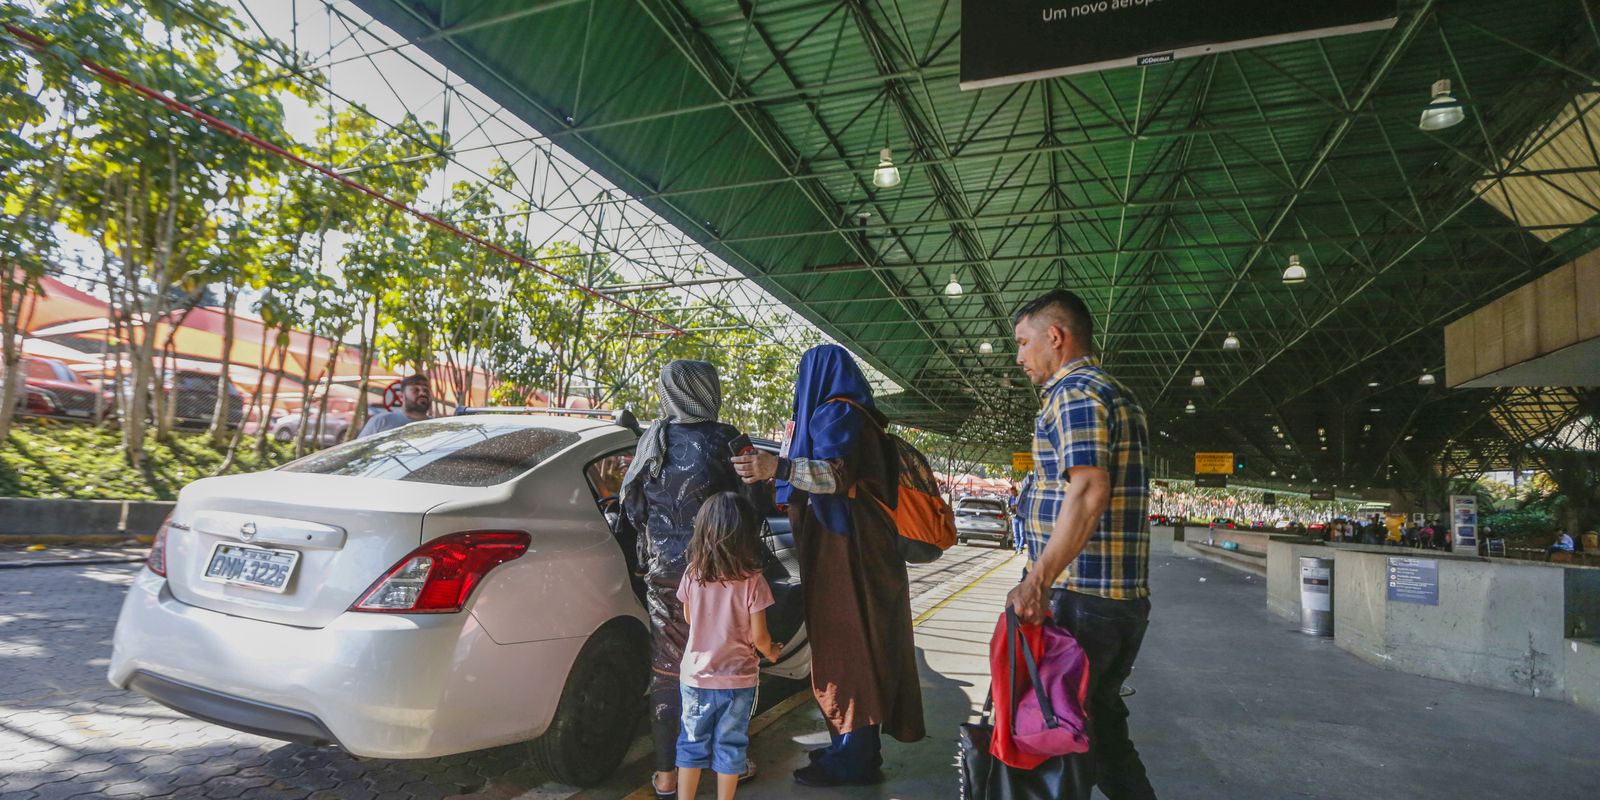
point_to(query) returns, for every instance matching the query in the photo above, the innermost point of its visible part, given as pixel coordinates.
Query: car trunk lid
(342, 532)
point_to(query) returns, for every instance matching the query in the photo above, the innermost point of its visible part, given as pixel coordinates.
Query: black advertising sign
(1009, 41)
(1211, 481)
(1269, 499)
(1321, 494)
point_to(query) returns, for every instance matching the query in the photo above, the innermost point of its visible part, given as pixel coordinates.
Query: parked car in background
(983, 518)
(334, 426)
(194, 397)
(1160, 519)
(1222, 522)
(452, 585)
(51, 389)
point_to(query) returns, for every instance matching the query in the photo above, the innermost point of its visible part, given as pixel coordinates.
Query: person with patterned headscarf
(839, 477)
(681, 461)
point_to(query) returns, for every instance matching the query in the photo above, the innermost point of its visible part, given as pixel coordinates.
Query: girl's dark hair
(727, 540)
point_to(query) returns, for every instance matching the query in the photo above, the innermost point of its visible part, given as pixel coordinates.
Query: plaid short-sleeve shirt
(1091, 420)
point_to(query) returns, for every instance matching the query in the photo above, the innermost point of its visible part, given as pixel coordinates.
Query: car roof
(552, 421)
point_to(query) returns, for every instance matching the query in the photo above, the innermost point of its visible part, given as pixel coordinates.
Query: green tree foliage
(184, 214)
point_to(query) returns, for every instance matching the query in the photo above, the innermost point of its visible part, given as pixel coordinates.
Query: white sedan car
(448, 586)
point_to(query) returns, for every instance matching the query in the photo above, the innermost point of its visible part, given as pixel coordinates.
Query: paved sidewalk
(937, 588)
(953, 658)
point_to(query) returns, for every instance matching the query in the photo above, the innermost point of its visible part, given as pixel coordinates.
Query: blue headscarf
(826, 430)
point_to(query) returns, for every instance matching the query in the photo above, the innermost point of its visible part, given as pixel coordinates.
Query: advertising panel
(1464, 523)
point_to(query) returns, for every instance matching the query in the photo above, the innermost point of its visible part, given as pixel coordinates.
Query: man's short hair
(1065, 309)
(414, 380)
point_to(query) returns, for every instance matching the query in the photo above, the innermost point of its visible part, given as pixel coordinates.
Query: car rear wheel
(600, 709)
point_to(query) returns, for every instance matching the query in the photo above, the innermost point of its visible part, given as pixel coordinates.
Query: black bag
(984, 777)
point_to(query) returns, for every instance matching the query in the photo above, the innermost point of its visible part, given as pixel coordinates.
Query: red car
(53, 390)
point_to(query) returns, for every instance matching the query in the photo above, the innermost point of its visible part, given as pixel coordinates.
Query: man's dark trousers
(1110, 632)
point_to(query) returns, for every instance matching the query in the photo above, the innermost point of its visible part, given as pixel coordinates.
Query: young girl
(724, 599)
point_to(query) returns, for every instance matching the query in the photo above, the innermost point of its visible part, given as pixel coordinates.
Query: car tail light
(439, 576)
(157, 560)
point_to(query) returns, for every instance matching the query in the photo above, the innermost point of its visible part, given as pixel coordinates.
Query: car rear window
(982, 507)
(477, 452)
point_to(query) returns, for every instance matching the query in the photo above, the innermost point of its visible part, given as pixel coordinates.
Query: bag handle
(1015, 641)
(1020, 642)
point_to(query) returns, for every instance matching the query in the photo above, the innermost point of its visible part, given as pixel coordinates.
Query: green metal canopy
(1171, 197)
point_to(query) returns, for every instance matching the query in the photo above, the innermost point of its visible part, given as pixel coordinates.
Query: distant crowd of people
(1428, 535)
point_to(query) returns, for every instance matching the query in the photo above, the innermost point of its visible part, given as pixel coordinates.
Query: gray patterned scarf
(691, 391)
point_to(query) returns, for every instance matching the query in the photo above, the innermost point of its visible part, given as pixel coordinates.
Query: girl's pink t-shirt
(721, 651)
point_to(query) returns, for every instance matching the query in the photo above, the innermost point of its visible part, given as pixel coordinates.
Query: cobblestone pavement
(65, 732)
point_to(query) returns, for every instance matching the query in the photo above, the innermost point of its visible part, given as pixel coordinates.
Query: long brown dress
(858, 605)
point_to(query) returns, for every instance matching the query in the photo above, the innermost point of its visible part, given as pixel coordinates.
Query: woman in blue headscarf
(839, 477)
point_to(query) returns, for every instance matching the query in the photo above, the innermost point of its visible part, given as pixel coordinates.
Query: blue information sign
(1414, 580)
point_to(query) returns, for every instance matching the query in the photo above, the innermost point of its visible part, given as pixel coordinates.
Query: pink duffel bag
(1050, 717)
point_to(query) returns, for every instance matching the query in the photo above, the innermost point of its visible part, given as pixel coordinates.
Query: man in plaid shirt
(1085, 509)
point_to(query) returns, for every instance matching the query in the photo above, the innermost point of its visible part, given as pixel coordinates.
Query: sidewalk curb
(68, 562)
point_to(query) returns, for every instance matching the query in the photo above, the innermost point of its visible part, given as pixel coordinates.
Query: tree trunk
(218, 430)
(277, 382)
(306, 385)
(359, 418)
(11, 358)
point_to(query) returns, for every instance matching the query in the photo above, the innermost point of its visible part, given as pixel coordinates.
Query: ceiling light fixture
(1443, 111)
(887, 175)
(1189, 407)
(1427, 379)
(1232, 342)
(953, 288)
(1198, 381)
(985, 348)
(1372, 384)
(1294, 273)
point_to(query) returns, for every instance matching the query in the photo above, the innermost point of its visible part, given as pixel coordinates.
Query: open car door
(786, 619)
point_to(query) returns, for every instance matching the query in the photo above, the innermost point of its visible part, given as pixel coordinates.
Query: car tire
(600, 708)
(284, 435)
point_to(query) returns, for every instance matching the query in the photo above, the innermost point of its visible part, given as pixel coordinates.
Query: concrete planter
(37, 520)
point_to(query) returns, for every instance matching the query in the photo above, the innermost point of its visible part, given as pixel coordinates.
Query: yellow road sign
(1213, 463)
(1022, 462)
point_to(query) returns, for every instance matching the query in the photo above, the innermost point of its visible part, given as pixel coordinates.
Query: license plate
(255, 567)
(77, 412)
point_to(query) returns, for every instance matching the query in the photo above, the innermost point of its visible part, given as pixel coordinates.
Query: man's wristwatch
(784, 466)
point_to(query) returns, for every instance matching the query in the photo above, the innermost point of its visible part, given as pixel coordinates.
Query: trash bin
(1316, 596)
